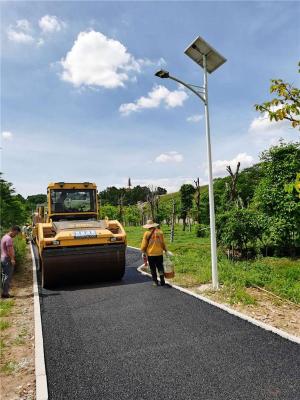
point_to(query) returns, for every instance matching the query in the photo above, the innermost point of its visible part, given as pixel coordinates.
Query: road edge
(40, 369)
(231, 311)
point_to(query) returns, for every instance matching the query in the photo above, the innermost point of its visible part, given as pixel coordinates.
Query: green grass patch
(4, 325)
(5, 307)
(20, 250)
(9, 367)
(2, 345)
(280, 276)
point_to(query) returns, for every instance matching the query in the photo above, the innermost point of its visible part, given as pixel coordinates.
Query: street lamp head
(162, 74)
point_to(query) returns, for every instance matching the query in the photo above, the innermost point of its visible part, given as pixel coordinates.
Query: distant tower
(129, 183)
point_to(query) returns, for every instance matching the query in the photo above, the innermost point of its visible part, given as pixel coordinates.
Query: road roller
(72, 242)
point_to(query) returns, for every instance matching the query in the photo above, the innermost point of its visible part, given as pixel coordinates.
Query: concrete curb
(40, 369)
(238, 314)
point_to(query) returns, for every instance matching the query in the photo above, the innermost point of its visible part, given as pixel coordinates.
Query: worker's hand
(144, 255)
(13, 262)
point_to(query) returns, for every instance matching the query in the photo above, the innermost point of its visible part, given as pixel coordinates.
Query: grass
(2, 345)
(280, 276)
(5, 307)
(9, 367)
(4, 325)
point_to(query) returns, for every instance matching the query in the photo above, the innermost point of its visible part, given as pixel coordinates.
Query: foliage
(20, 249)
(187, 192)
(109, 211)
(12, 210)
(202, 230)
(33, 200)
(132, 215)
(239, 229)
(286, 104)
(280, 165)
(281, 276)
(111, 195)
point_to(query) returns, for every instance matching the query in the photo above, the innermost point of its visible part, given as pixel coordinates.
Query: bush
(202, 230)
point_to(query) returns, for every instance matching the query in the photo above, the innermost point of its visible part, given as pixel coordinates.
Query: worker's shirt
(156, 245)
(6, 247)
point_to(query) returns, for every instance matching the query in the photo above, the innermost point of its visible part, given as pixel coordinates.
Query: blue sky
(80, 102)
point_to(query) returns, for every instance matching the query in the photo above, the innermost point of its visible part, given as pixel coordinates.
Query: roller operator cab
(72, 242)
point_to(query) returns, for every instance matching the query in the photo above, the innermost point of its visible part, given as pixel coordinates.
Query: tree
(239, 229)
(153, 201)
(233, 195)
(12, 209)
(197, 199)
(187, 192)
(280, 165)
(109, 211)
(286, 104)
(132, 215)
(33, 200)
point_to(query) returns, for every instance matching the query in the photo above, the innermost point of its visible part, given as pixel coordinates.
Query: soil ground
(17, 372)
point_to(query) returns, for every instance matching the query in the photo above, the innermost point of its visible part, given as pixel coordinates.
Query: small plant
(20, 250)
(236, 294)
(2, 345)
(9, 368)
(5, 307)
(4, 325)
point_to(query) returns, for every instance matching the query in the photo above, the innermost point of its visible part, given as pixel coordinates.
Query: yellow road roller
(72, 242)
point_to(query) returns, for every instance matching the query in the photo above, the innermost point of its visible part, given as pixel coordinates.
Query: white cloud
(171, 156)
(24, 25)
(96, 60)
(6, 135)
(219, 166)
(50, 23)
(21, 32)
(195, 118)
(262, 130)
(158, 95)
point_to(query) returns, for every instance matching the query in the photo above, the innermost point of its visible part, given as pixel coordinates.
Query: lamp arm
(188, 87)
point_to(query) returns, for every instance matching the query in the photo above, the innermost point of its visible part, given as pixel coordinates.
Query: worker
(8, 260)
(153, 246)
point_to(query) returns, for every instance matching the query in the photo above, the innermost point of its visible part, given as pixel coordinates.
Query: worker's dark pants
(157, 262)
(7, 270)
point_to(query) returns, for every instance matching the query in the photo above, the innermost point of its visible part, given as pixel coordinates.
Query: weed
(2, 345)
(9, 368)
(5, 307)
(4, 325)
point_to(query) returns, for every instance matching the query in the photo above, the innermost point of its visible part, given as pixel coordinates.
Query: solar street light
(210, 60)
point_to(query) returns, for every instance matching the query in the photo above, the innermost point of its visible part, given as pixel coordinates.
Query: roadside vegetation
(280, 276)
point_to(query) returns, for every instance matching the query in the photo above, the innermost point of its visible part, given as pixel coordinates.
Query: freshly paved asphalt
(129, 340)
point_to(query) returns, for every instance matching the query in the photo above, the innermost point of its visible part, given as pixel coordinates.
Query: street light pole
(209, 59)
(213, 243)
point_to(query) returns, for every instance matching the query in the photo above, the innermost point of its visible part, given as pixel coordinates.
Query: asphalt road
(129, 340)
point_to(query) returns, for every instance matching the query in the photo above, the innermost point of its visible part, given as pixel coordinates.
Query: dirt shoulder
(17, 373)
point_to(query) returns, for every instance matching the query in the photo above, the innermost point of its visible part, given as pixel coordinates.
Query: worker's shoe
(155, 283)
(6, 296)
(162, 280)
